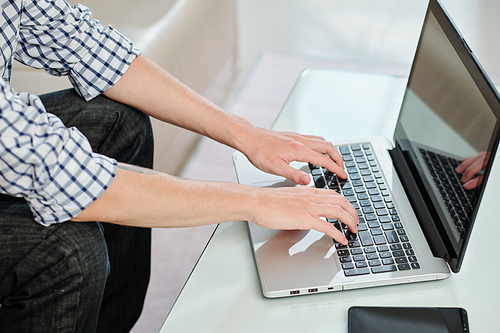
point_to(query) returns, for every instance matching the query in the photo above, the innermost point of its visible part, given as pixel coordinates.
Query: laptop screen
(449, 113)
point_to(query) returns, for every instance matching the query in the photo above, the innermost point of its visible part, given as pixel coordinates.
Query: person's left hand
(272, 152)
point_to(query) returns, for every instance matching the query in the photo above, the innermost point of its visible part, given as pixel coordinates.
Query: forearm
(149, 88)
(146, 198)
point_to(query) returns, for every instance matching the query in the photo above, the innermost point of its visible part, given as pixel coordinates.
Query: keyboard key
(356, 251)
(351, 198)
(368, 210)
(395, 247)
(398, 253)
(354, 244)
(365, 238)
(343, 253)
(344, 150)
(381, 212)
(358, 271)
(316, 172)
(370, 249)
(347, 193)
(376, 232)
(383, 248)
(387, 226)
(404, 267)
(361, 264)
(374, 263)
(365, 203)
(388, 261)
(362, 227)
(385, 255)
(360, 257)
(365, 172)
(319, 181)
(355, 176)
(392, 236)
(352, 170)
(358, 153)
(379, 240)
(372, 256)
(363, 196)
(415, 265)
(360, 189)
(345, 259)
(371, 217)
(348, 265)
(384, 269)
(401, 260)
(384, 219)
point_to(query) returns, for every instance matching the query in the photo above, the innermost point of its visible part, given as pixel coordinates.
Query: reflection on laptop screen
(445, 121)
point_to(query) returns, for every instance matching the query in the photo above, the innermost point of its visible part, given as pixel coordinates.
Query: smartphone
(407, 320)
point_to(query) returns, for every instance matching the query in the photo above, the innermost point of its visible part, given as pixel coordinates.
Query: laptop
(416, 216)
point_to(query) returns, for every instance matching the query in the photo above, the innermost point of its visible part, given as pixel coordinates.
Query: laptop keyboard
(458, 200)
(381, 244)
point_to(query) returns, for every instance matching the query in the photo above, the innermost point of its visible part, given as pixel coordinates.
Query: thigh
(51, 278)
(112, 128)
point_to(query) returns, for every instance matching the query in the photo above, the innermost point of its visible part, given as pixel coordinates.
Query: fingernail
(304, 180)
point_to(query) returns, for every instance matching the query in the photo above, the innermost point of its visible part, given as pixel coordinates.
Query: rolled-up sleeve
(51, 166)
(65, 40)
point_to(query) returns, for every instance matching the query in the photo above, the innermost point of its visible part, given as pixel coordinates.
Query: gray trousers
(78, 277)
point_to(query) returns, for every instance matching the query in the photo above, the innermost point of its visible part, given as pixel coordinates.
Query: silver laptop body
(450, 111)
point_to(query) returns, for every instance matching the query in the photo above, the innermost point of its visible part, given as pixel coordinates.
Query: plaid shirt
(51, 166)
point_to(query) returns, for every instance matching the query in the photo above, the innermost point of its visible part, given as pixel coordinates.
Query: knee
(130, 136)
(85, 241)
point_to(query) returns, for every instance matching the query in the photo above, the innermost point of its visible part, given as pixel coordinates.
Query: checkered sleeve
(51, 166)
(65, 40)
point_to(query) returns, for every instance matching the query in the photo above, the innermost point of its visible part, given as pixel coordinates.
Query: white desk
(223, 292)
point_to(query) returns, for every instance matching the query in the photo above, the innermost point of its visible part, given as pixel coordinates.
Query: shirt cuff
(77, 180)
(103, 66)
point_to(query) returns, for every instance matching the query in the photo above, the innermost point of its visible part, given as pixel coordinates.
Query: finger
(344, 215)
(466, 162)
(473, 183)
(325, 161)
(330, 230)
(472, 171)
(295, 175)
(328, 157)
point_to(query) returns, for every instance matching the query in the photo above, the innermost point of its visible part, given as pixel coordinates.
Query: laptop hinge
(422, 207)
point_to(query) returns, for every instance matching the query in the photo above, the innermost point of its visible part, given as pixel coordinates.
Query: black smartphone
(375, 319)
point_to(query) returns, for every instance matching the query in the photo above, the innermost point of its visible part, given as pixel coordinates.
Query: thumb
(296, 176)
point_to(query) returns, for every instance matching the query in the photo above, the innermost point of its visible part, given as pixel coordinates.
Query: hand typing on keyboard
(302, 208)
(472, 169)
(272, 152)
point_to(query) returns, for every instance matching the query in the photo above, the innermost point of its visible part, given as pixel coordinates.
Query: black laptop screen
(449, 113)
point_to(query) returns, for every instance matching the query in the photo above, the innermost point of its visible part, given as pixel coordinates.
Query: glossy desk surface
(223, 292)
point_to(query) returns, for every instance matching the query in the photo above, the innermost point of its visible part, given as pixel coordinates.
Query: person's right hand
(470, 169)
(303, 208)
